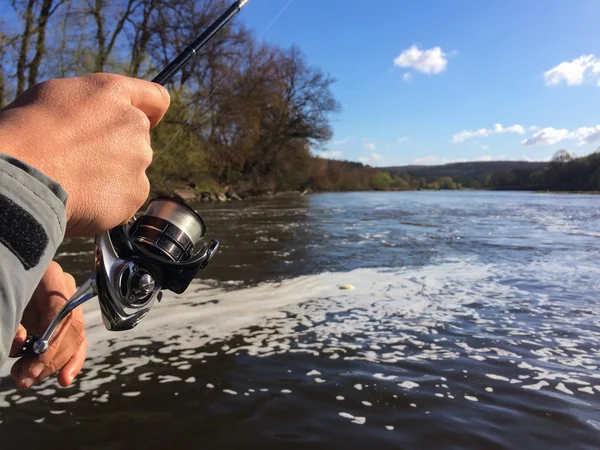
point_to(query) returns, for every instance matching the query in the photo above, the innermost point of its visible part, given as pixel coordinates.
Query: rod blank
(191, 50)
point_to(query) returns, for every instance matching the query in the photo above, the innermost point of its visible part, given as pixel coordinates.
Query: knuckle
(108, 83)
(46, 88)
(146, 156)
(51, 367)
(144, 191)
(140, 122)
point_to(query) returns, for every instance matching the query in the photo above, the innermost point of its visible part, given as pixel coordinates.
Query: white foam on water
(537, 386)
(562, 388)
(229, 391)
(132, 394)
(417, 302)
(471, 398)
(168, 378)
(381, 376)
(496, 377)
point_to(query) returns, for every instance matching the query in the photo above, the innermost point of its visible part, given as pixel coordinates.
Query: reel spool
(169, 228)
(135, 262)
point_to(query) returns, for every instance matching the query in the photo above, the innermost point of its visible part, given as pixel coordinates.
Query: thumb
(19, 341)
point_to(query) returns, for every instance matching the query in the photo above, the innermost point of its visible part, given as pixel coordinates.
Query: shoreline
(189, 194)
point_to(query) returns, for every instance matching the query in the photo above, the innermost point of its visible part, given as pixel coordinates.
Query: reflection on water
(473, 323)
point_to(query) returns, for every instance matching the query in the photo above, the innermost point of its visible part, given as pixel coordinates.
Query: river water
(474, 322)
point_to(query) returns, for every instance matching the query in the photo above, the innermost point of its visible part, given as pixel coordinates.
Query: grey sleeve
(32, 226)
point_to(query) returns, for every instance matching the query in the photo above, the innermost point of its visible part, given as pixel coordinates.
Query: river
(474, 322)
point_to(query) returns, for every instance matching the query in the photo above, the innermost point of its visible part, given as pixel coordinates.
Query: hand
(68, 346)
(92, 135)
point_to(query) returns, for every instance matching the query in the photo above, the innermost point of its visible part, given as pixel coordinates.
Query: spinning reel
(134, 263)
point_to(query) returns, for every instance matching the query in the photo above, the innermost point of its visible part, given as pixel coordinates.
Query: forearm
(32, 226)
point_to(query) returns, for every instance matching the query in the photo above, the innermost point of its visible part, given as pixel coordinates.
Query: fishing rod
(135, 262)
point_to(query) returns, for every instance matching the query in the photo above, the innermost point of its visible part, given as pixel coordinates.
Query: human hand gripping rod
(133, 263)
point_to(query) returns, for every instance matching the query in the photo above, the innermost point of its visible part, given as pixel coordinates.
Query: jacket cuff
(37, 194)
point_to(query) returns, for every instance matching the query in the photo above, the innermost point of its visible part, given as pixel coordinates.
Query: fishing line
(225, 78)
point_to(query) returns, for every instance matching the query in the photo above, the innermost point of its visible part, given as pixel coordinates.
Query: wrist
(17, 148)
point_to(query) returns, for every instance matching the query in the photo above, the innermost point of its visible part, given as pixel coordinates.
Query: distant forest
(564, 173)
(244, 118)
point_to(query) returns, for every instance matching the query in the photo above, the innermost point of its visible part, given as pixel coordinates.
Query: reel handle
(38, 345)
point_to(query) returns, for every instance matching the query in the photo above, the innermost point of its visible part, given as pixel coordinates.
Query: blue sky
(436, 81)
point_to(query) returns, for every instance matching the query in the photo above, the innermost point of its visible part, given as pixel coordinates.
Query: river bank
(189, 194)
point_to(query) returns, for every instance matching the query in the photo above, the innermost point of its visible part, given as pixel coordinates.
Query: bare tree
(105, 40)
(144, 30)
(46, 12)
(24, 47)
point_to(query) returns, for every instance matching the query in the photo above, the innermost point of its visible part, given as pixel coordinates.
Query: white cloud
(429, 61)
(407, 76)
(512, 129)
(374, 158)
(483, 132)
(547, 136)
(466, 134)
(433, 160)
(369, 145)
(584, 68)
(586, 135)
(427, 160)
(343, 141)
(402, 140)
(335, 154)
(484, 147)
(533, 128)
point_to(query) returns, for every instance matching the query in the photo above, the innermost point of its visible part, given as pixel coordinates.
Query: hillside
(465, 170)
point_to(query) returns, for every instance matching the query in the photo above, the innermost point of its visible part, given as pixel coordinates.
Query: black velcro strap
(21, 233)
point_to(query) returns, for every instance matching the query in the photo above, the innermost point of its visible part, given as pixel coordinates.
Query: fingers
(68, 342)
(63, 347)
(151, 98)
(72, 368)
(53, 291)
(67, 350)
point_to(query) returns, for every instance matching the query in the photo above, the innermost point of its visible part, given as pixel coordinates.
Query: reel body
(134, 262)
